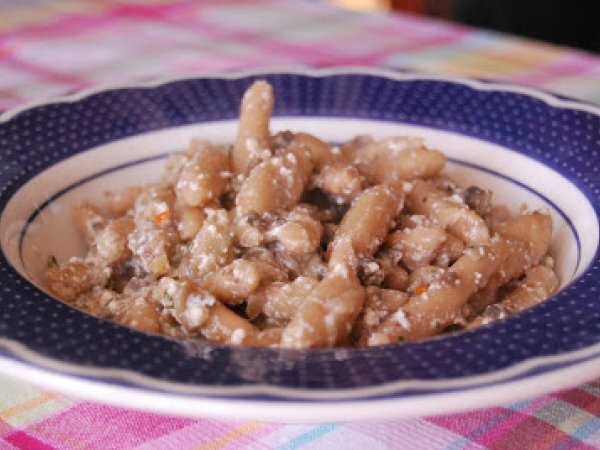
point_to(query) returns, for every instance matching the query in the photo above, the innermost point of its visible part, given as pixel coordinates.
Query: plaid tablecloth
(50, 47)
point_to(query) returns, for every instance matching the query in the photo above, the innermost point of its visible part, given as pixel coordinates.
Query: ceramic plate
(527, 146)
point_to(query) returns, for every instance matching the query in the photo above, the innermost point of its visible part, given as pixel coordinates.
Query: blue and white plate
(527, 146)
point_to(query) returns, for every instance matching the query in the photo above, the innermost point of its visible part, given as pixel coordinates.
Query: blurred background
(49, 47)
(574, 23)
(52, 47)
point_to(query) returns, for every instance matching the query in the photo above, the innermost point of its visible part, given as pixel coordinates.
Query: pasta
(252, 142)
(284, 240)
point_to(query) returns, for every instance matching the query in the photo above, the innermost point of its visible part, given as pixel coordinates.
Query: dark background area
(574, 23)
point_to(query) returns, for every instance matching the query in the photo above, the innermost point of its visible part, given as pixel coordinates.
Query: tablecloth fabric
(51, 47)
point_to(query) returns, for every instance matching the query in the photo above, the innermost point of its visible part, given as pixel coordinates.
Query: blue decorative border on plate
(559, 133)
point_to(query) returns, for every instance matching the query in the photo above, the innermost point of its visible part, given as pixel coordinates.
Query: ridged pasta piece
(540, 283)
(379, 304)
(321, 153)
(299, 234)
(272, 186)
(277, 183)
(188, 219)
(71, 279)
(205, 176)
(365, 225)
(111, 243)
(226, 327)
(252, 141)
(213, 245)
(154, 237)
(233, 283)
(398, 158)
(449, 212)
(139, 313)
(525, 239)
(341, 181)
(325, 318)
(435, 307)
(280, 300)
(419, 246)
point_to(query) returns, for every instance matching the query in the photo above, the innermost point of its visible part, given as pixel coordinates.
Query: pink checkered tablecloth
(51, 47)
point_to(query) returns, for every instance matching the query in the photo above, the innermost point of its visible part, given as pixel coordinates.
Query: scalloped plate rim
(34, 362)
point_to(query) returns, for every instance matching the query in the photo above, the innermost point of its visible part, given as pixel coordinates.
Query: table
(51, 47)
